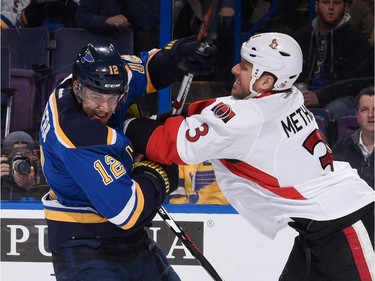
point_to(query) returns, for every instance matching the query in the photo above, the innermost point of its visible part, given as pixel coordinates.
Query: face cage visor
(123, 93)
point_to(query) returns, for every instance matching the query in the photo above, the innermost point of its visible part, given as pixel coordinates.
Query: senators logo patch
(274, 44)
(223, 112)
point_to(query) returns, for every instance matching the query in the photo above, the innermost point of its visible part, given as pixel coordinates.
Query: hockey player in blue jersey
(99, 204)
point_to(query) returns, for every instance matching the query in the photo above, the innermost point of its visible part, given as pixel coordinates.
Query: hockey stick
(189, 244)
(8, 114)
(178, 105)
(209, 15)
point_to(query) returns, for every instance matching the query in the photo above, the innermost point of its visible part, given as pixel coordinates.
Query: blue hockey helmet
(101, 69)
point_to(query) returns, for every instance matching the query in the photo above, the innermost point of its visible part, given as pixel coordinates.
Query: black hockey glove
(192, 56)
(167, 175)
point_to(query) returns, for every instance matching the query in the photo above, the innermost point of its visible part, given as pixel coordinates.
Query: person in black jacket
(111, 16)
(358, 148)
(52, 14)
(338, 59)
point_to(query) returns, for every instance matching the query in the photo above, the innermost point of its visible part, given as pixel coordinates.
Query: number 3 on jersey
(200, 131)
(312, 141)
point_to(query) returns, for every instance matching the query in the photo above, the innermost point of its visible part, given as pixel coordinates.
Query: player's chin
(236, 89)
(237, 92)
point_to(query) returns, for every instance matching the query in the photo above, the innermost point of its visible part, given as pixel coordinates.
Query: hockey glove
(192, 56)
(167, 175)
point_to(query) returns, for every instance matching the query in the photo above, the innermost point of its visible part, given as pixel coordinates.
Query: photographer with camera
(19, 168)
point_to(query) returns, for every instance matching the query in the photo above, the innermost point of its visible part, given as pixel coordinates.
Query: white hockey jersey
(269, 157)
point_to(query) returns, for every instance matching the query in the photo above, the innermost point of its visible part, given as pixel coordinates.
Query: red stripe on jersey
(198, 106)
(265, 180)
(162, 146)
(358, 255)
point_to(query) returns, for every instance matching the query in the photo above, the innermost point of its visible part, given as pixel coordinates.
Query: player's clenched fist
(167, 175)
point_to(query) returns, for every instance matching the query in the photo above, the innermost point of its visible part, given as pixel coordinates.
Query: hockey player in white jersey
(272, 163)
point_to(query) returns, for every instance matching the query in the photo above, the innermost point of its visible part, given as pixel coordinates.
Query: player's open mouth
(99, 116)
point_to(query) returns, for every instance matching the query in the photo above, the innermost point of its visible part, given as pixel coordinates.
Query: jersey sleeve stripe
(150, 88)
(126, 219)
(57, 212)
(111, 136)
(63, 139)
(138, 210)
(125, 215)
(265, 180)
(65, 216)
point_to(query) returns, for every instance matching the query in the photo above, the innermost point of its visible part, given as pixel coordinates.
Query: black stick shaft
(189, 244)
(208, 17)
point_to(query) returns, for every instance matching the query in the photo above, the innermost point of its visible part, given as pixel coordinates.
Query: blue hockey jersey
(87, 166)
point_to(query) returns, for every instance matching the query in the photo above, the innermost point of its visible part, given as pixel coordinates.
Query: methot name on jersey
(295, 121)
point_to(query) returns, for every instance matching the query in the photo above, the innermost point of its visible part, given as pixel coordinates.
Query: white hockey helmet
(276, 53)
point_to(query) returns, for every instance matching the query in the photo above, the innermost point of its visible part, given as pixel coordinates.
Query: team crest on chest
(223, 112)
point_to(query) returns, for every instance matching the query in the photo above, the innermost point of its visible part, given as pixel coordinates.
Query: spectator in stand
(113, 15)
(358, 148)
(222, 23)
(11, 11)
(362, 13)
(257, 9)
(53, 14)
(220, 32)
(224, 40)
(338, 59)
(289, 14)
(20, 177)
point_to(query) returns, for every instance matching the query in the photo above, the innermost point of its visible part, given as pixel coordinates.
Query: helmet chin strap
(78, 92)
(253, 93)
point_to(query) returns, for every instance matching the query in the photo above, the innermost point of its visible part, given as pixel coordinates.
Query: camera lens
(22, 166)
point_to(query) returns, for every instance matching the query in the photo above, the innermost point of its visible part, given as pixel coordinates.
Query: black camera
(21, 164)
